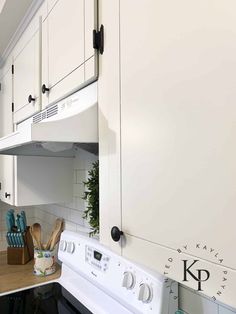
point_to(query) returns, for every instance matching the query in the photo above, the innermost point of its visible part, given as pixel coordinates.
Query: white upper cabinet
(6, 162)
(178, 123)
(27, 91)
(30, 180)
(6, 100)
(177, 127)
(68, 57)
(55, 49)
(27, 68)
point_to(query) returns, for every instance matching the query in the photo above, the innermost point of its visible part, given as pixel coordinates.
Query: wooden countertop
(14, 277)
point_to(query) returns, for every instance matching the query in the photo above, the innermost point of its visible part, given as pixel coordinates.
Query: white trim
(20, 29)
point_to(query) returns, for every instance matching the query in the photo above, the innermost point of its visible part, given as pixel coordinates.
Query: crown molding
(33, 8)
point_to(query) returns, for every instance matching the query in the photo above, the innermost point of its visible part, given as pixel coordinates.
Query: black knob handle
(116, 233)
(30, 98)
(7, 195)
(45, 89)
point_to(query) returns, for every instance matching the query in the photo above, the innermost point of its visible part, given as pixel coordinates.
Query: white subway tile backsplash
(76, 217)
(224, 310)
(83, 230)
(190, 302)
(78, 190)
(80, 176)
(76, 203)
(70, 226)
(193, 303)
(74, 177)
(72, 212)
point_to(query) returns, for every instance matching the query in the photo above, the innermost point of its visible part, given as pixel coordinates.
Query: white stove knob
(128, 280)
(145, 293)
(71, 247)
(63, 245)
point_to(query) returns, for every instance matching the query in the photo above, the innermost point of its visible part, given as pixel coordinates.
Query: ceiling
(10, 17)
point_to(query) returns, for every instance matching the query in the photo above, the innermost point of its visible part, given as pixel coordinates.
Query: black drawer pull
(116, 233)
(7, 195)
(45, 89)
(30, 98)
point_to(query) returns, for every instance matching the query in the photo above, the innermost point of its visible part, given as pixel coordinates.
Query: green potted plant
(91, 195)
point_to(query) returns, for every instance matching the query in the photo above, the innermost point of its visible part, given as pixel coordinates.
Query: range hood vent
(50, 112)
(58, 130)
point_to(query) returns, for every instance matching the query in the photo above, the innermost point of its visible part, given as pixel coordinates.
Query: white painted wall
(47, 214)
(71, 212)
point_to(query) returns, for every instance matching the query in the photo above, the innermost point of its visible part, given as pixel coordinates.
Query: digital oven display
(97, 255)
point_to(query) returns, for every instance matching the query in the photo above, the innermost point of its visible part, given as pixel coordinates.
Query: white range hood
(59, 129)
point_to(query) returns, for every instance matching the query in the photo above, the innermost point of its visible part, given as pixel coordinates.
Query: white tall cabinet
(26, 57)
(167, 137)
(6, 162)
(27, 94)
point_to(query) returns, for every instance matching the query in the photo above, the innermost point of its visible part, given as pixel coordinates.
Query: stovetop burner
(47, 299)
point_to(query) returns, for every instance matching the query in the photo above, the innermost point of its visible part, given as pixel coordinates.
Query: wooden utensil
(47, 245)
(56, 233)
(35, 231)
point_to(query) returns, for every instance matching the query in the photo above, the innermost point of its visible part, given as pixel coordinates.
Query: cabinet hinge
(12, 69)
(12, 107)
(98, 39)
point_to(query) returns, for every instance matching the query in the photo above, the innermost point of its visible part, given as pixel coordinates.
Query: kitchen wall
(71, 212)
(193, 303)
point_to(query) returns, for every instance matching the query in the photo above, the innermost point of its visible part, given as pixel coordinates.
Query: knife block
(21, 255)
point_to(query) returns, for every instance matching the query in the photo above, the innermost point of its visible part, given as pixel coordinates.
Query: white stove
(95, 280)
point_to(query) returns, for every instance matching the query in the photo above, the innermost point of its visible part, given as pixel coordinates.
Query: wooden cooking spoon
(56, 234)
(35, 231)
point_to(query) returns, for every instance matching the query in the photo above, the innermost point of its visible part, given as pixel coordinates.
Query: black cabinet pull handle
(45, 89)
(7, 195)
(116, 233)
(30, 98)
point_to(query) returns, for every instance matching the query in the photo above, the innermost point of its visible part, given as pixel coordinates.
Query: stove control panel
(96, 258)
(137, 288)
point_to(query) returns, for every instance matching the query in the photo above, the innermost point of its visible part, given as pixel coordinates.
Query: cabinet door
(6, 162)
(109, 124)
(178, 133)
(68, 56)
(27, 80)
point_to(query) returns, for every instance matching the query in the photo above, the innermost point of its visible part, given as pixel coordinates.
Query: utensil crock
(44, 262)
